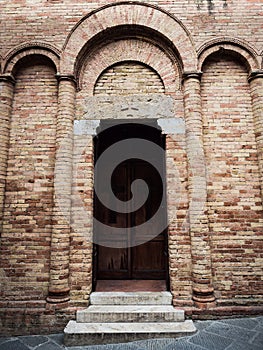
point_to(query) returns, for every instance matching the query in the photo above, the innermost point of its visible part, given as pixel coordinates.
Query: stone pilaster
(256, 89)
(7, 83)
(60, 240)
(203, 292)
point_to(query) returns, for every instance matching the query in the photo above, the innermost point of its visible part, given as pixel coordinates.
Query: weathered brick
(104, 48)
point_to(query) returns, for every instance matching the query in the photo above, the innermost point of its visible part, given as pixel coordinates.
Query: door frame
(105, 124)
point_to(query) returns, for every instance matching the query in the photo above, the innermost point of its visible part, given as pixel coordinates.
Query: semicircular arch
(230, 45)
(132, 15)
(27, 49)
(130, 50)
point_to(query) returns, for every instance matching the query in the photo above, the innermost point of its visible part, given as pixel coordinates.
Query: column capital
(255, 75)
(8, 78)
(66, 77)
(191, 75)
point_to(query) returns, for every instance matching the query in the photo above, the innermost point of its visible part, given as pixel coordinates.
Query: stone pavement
(227, 334)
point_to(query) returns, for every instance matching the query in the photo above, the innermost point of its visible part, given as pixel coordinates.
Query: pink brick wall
(234, 198)
(164, 41)
(29, 186)
(51, 21)
(128, 78)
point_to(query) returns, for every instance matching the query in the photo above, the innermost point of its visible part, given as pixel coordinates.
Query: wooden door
(141, 258)
(148, 259)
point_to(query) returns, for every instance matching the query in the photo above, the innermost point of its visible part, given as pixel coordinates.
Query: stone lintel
(144, 106)
(92, 126)
(86, 127)
(172, 125)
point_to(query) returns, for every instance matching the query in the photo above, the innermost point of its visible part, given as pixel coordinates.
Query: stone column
(60, 240)
(7, 83)
(203, 291)
(256, 89)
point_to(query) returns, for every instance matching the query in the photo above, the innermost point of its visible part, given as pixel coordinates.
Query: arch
(129, 15)
(27, 49)
(232, 45)
(130, 50)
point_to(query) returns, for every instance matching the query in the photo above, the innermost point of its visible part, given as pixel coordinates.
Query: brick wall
(234, 198)
(51, 21)
(178, 232)
(125, 50)
(27, 220)
(82, 209)
(128, 78)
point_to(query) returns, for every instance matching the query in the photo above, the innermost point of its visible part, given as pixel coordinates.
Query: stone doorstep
(131, 298)
(117, 317)
(109, 333)
(130, 313)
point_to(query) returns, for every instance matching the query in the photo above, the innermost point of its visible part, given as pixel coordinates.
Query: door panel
(144, 260)
(148, 260)
(113, 263)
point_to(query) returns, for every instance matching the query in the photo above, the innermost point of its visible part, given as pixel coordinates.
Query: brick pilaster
(60, 240)
(256, 89)
(6, 99)
(203, 292)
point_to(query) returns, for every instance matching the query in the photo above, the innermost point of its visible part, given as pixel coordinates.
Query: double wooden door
(135, 256)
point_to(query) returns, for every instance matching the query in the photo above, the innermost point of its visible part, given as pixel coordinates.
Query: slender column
(7, 83)
(203, 291)
(60, 240)
(256, 89)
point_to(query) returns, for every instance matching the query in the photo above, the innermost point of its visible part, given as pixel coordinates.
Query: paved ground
(229, 334)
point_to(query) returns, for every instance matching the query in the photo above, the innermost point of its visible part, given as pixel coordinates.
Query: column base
(56, 296)
(204, 298)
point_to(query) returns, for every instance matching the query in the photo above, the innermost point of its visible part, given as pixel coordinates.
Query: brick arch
(27, 49)
(130, 14)
(242, 49)
(130, 50)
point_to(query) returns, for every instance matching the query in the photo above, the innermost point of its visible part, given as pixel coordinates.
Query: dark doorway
(139, 259)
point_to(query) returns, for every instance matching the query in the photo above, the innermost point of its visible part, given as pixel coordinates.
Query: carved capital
(255, 75)
(8, 78)
(192, 75)
(66, 77)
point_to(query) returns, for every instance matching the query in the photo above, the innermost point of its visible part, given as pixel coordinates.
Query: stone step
(130, 313)
(131, 298)
(76, 334)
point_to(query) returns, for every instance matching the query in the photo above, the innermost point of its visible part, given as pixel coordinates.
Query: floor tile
(33, 340)
(231, 331)
(210, 341)
(13, 345)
